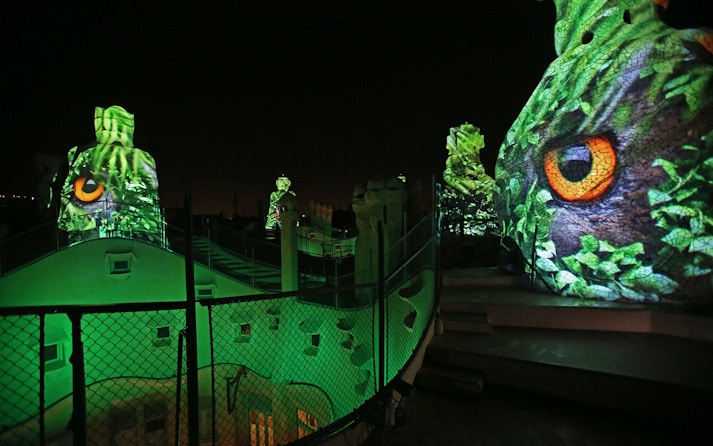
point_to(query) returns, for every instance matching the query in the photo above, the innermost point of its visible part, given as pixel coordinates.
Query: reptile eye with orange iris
(581, 172)
(86, 189)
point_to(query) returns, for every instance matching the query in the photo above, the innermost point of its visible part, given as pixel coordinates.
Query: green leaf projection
(467, 198)
(272, 219)
(607, 173)
(112, 187)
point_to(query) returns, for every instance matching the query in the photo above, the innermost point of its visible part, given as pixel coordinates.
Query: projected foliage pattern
(608, 171)
(467, 198)
(112, 187)
(272, 220)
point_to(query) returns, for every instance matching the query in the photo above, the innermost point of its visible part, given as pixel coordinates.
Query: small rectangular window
(52, 352)
(205, 418)
(120, 267)
(162, 336)
(205, 292)
(302, 416)
(306, 423)
(313, 347)
(312, 422)
(119, 262)
(243, 332)
(262, 429)
(155, 417)
(54, 356)
(154, 425)
(275, 323)
(122, 418)
(156, 409)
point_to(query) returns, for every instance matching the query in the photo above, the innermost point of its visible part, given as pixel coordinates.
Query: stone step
(642, 373)
(479, 277)
(452, 380)
(466, 322)
(514, 307)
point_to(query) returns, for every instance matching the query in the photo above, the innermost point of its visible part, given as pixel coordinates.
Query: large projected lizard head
(607, 173)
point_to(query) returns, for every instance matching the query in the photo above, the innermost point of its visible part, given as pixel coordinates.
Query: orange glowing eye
(86, 189)
(581, 172)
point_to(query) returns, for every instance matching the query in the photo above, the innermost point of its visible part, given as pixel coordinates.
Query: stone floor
(504, 417)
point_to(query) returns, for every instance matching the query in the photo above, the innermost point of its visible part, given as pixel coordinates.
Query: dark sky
(228, 98)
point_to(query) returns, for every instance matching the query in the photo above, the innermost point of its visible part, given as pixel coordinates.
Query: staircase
(631, 358)
(259, 275)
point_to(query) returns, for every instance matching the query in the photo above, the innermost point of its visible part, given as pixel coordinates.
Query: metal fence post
(212, 370)
(436, 233)
(42, 379)
(252, 259)
(79, 390)
(382, 307)
(179, 369)
(191, 342)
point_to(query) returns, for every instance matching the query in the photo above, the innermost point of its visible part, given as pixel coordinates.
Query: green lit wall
(86, 275)
(129, 366)
(607, 173)
(122, 345)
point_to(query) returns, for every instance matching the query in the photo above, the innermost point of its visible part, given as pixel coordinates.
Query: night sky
(228, 98)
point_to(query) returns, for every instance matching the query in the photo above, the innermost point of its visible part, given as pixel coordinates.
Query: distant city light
(17, 197)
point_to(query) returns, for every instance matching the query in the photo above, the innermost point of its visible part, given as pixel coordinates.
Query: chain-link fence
(283, 369)
(410, 292)
(132, 376)
(20, 393)
(135, 372)
(270, 368)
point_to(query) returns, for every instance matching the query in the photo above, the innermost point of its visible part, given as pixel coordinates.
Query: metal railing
(47, 238)
(336, 244)
(23, 248)
(244, 258)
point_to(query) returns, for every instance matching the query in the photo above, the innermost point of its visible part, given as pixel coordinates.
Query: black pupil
(89, 186)
(575, 163)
